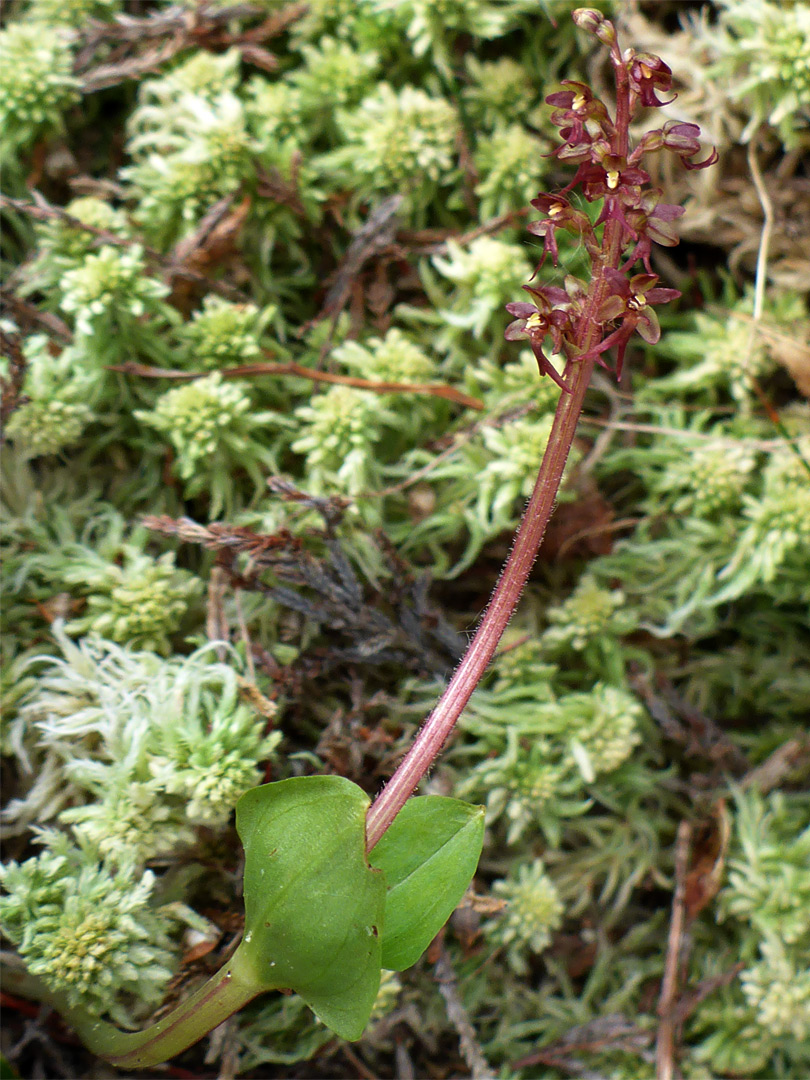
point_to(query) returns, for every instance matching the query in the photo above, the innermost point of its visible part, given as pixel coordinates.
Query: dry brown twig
(605, 1033)
(778, 766)
(12, 384)
(697, 733)
(367, 623)
(300, 371)
(134, 67)
(668, 1028)
(690, 1000)
(458, 1016)
(28, 315)
(216, 623)
(374, 236)
(272, 185)
(208, 26)
(41, 210)
(700, 857)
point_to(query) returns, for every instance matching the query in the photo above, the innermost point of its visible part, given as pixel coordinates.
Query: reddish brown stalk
(468, 674)
(441, 721)
(449, 393)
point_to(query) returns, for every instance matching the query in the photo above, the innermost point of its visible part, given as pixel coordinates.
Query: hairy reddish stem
(438, 726)
(481, 649)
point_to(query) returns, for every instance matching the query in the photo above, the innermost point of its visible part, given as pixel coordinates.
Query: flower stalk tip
(587, 320)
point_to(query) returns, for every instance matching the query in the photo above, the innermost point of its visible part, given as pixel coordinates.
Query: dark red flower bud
(588, 19)
(649, 142)
(574, 148)
(682, 138)
(648, 221)
(659, 222)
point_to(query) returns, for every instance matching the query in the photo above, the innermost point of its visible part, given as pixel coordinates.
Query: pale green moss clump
(91, 931)
(338, 431)
(213, 428)
(73, 13)
(222, 333)
(57, 411)
(395, 135)
(108, 288)
(534, 911)
(141, 602)
(36, 84)
(135, 751)
(764, 55)
(394, 358)
(44, 427)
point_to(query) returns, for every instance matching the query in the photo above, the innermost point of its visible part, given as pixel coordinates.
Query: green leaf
(428, 855)
(314, 908)
(7, 1072)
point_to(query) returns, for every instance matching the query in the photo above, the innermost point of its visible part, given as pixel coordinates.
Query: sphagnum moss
(140, 756)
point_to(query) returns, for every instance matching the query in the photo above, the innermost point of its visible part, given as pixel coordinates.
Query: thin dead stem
(667, 1029)
(767, 227)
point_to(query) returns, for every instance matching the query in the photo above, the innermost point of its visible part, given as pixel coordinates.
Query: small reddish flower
(578, 99)
(577, 104)
(631, 302)
(649, 74)
(535, 322)
(650, 221)
(560, 214)
(582, 119)
(606, 176)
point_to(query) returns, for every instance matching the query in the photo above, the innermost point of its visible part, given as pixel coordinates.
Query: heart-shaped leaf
(314, 908)
(428, 855)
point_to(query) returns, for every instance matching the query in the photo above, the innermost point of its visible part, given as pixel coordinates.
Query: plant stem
(438, 726)
(222, 995)
(481, 649)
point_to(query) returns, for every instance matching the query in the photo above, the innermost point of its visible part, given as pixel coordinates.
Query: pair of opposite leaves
(323, 918)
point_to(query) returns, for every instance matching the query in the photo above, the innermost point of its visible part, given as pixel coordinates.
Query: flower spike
(585, 322)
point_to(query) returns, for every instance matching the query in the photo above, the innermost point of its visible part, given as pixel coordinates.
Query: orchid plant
(336, 889)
